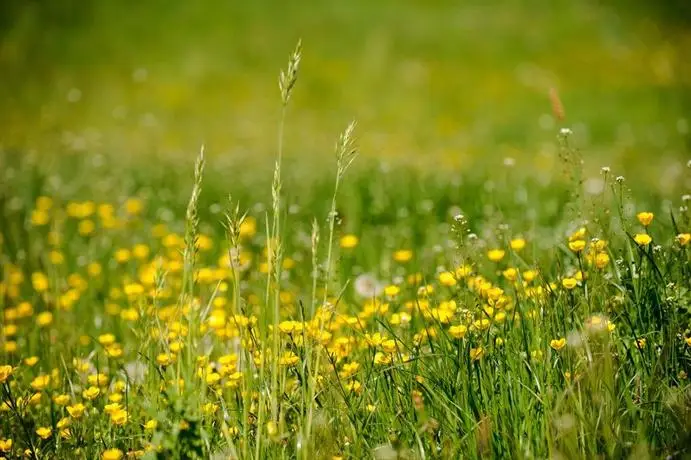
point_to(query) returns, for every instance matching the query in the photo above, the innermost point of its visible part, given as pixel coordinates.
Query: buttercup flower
(557, 344)
(41, 382)
(91, 393)
(44, 432)
(5, 445)
(447, 279)
(403, 255)
(517, 244)
(495, 255)
(645, 218)
(642, 239)
(458, 332)
(569, 283)
(5, 372)
(476, 353)
(112, 454)
(577, 245)
(349, 241)
(76, 411)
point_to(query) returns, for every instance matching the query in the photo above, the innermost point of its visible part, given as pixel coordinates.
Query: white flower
(366, 285)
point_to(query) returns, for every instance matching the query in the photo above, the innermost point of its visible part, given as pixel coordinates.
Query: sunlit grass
(376, 313)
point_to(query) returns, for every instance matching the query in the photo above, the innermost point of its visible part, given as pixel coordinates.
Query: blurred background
(458, 85)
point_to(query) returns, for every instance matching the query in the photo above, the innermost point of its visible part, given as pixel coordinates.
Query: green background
(456, 85)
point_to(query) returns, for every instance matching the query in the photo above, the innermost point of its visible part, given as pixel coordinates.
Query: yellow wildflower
(248, 227)
(165, 359)
(91, 393)
(349, 241)
(601, 260)
(577, 245)
(517, 244)
(112, 454)
(578, 234)
(463, 271)
(510, 274)
(76, 410)
(5, 372)
(288, 359)
(44, 432)
(458, 332)
(495, 255)
(391, 290)
(569, 283)
(39, 281)
(272, 428)
(476, 353)
(94, 269)
(119, 417)
(106, 339)
(5, 445)
(557, 344)
(41, 382)
(403, 255)
(645, 218)
(382, 358)
(61, 400)
(447, 279)
(529, 275)
(642, 239)
(86, 227)
(134, 206)
(44, 319)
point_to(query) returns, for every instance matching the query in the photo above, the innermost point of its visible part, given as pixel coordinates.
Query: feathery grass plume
(233, 223)
(346, 152)
(192, 225)
(190, 252)
(286, 83)
(234, 219)
(288, 78)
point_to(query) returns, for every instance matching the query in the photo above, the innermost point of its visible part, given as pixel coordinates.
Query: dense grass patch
(372, 312)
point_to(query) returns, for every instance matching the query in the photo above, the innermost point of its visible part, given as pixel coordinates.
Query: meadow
(509, 280)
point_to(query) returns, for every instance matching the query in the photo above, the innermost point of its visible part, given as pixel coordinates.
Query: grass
(378, 313)
(467, 275)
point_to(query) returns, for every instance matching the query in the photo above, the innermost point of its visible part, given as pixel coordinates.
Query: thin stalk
(346, 152)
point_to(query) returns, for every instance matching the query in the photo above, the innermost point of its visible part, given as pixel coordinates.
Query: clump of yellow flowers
(124, 335)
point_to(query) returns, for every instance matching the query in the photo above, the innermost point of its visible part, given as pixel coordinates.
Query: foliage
(377, 314)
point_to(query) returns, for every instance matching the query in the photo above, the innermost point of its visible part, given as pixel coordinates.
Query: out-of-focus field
(456, 84)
